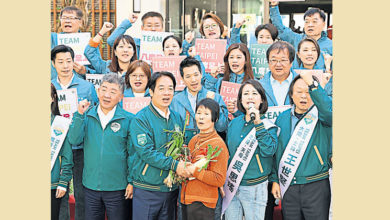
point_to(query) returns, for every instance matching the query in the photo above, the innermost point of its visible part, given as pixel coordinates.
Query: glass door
(174, 17)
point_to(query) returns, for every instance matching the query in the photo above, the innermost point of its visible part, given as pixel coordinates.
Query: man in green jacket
(105, 131)
(301, 168)
(152, 198)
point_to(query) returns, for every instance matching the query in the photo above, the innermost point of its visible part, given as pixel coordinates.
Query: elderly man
(152, 198)
(314, 25)
(70, 21)
(62, 60)
(105, 131)
(301, 167)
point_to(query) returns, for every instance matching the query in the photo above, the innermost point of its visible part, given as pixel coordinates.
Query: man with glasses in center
(280, 57)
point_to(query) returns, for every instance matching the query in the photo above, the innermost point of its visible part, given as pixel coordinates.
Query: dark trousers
(309, 201)
(269, 210)
(55, 205)
(78, 166)
(197, 211)
(217, 210)
(64, 207)
(99, 203)
(152, 205)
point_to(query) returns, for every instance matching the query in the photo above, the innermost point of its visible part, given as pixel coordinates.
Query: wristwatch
(313, 86)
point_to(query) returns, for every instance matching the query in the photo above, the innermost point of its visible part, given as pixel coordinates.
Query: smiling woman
(123, 53)
(252, 183)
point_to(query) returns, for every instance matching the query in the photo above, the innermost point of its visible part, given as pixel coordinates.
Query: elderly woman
(251, 193)
(199, 195)
(61, 173)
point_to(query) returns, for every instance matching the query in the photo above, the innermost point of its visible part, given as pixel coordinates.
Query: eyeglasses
(133, 76)
(282, 62)
(70, 18)
(208, 27)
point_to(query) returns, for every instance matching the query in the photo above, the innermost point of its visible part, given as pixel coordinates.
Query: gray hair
(115, 79)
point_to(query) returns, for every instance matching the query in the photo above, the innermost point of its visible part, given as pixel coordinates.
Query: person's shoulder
(83, 82)
(266, 78)
(141, 114)
(282, 117)
(125, 113)
(179, 96)
(237, 120)
(174, 114)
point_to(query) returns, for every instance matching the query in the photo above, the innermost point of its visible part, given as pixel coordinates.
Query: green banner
(259, 62)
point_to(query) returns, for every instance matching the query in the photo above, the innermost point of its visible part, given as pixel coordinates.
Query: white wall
(125, 7)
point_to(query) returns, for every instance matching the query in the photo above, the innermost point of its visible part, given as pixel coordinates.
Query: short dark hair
(152, 14)
(291, 88)
(312, 11)
(188, 62)
(282, 45)
(114, 65)
(78, 11)
(263, 106)
(155, 76)
(61, 49)
(269, 27)
(210, 104)
(315, 44)
(54, 104)
(173, 37)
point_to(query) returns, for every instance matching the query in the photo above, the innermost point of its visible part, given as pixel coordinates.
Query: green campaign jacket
(267, 141)
(310, 169)
(148, 137)
(105, 151)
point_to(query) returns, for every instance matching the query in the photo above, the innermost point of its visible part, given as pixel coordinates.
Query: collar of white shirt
(161, 112)
(104, 119)
(192, 99)
(65, 86)
(288, 80)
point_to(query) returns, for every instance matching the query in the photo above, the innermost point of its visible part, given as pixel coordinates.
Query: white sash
(239, 164)
(59, 128)
(296, 148)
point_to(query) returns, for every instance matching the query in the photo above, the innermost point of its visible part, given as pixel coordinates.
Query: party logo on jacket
(115, 126)
(141, 139)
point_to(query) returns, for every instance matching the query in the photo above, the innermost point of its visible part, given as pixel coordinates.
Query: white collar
(161, 112)
(65, 86)
(288, 80)
(104, 119)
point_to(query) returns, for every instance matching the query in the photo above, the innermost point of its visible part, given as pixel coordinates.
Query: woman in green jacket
(61, 173)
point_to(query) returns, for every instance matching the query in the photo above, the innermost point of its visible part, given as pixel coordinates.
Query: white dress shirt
(192, 99)
(161, 112)
(104, 119)
(281, 89)
(65, 86)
